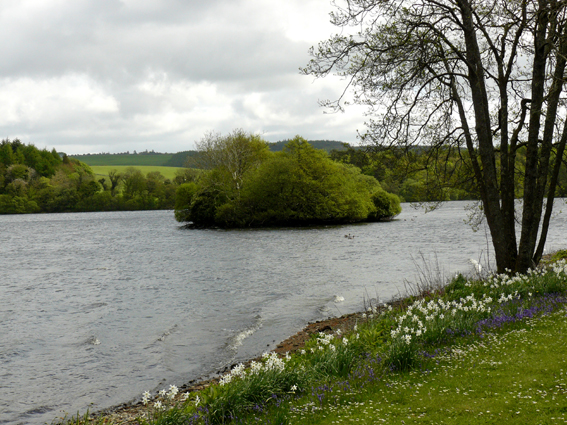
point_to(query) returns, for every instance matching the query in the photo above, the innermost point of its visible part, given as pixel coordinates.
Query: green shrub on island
(246, 185)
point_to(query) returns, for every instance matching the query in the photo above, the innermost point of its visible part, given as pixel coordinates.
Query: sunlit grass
(103, 170)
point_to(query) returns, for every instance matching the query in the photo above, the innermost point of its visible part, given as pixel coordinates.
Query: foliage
(33, 180)
(415, 175)
(326, 145)
(246, 185)
(480, 81)
(514, 376)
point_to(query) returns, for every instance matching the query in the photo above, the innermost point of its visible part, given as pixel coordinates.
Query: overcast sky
(116, 75)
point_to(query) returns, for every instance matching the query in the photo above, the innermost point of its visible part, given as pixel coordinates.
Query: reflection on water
(99, 307)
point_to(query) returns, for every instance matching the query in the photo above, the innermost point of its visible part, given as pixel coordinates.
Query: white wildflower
(146, 397)
(238, 370)
(173, 390)
(225, 379)
(255, 367)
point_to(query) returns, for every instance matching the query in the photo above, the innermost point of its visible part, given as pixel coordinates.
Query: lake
(96, 308)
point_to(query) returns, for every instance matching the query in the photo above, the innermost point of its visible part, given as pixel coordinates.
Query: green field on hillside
(158, 159)
(102, 170)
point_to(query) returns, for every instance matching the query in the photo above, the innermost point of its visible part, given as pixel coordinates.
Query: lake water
(96, 308)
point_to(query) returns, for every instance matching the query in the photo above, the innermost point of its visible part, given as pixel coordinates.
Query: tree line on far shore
(34, 181)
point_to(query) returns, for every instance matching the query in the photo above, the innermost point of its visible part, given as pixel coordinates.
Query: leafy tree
(183, 200)
(386, 205)
(6, 153)
(186, 175)
(134, 183)
(480, 78)
(233, 155)
(18, 171)
(115, 178)
(88, 188)
(155, 183)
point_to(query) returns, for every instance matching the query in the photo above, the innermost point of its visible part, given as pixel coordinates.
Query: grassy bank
(477, 350)
(512, 376)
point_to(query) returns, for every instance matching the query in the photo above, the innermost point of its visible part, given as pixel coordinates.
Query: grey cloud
(116, 47)
(100, 39)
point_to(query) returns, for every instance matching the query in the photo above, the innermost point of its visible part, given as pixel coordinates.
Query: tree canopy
(34, 180)
(247, 185)
(480, 78)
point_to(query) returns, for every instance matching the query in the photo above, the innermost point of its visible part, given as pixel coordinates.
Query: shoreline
(126, 413)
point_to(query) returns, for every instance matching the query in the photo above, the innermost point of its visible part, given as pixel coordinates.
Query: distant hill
(326, 145)
(177, 159)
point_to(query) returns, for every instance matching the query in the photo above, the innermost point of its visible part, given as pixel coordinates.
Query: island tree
(482, 78)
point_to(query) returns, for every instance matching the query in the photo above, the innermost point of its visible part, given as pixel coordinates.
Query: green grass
(517, 376)
(102, 170)
(125, 159)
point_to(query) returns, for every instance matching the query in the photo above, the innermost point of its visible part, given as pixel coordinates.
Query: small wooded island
(247, 185)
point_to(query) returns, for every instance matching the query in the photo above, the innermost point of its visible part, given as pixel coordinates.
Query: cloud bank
(116, 75)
